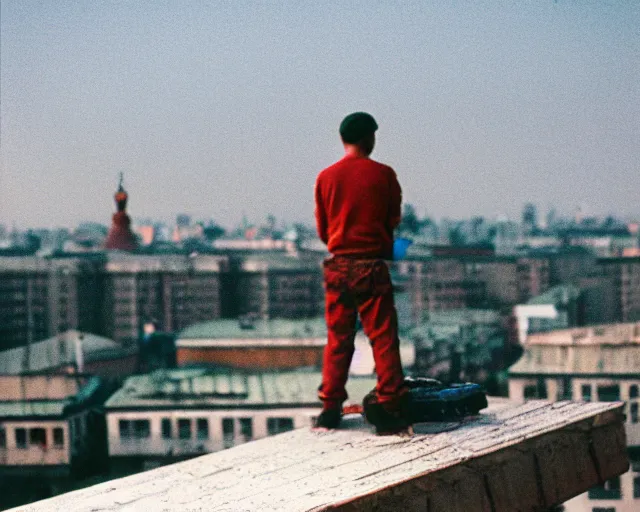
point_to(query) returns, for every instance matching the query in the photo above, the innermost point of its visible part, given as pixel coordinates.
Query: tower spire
(120, 235)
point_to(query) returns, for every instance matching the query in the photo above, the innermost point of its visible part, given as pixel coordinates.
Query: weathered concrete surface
(512, 457)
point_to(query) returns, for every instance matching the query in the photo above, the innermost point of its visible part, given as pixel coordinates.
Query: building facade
(49, 424)
(274, 285)
(600, 363)
(625, 275)
(167, 415)
(171, 291)
(40, 297)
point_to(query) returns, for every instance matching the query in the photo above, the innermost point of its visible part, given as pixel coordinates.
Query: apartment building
(625, 276)
(619, 494)
(173, 414)
(511, 280)
(49, 424)
(470, 280)
(275, 285)
(172, 291)
(434, 284)
(600, 363)
(40, 297)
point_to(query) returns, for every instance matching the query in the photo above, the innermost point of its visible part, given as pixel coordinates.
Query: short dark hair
(356, 127)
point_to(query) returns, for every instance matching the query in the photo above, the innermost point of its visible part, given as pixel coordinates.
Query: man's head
(358, 129)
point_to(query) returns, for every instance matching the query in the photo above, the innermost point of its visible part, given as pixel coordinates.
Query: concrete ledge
(525, 457)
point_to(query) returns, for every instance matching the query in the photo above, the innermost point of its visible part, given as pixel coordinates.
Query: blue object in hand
(400, 246)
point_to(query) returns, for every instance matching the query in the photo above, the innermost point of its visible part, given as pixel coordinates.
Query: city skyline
(227, 109)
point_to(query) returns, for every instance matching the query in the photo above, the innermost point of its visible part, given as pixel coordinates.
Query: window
(202, 428)
(538, 390)
(21, 438)
(3, 438)
(58, 437)
(38, 437)
(586, 392)
(166, 428)
(610, 490)
(246, 429)
(636, 487)
(566, 393)
(609, 393)
(141, 429)
(531, 391)
(279, 425)
(125, 427)
(603, 509)
(227, 432)
(633, 412)
(633, 391)
(184, 428)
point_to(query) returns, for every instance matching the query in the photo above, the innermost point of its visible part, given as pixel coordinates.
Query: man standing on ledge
(357, 207)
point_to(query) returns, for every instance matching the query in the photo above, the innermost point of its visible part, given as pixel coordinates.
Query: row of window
(33, 437)
(187, 427)
(606, 393)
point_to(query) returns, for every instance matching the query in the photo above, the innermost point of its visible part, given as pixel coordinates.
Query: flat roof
(262, 329)
(26, 409)
(60, 350)
(218, 388)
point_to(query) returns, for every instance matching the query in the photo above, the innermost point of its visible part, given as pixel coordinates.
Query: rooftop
(512, 457)
(586, 360)
(226, 388)
(55, 400)
(557, 295)
(59, 350)
(602, 350)
(608, 334)
(261, 329)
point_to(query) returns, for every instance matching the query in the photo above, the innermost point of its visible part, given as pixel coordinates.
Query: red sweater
(357, 208)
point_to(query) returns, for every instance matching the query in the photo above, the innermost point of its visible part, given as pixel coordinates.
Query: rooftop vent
(247, 322)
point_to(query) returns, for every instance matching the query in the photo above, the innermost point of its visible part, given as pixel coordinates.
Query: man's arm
(321, 217)
(395, 202)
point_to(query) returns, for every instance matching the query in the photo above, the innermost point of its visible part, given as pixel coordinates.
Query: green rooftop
(221, 388)
(260, 329)
(557, 295)
(33, 408)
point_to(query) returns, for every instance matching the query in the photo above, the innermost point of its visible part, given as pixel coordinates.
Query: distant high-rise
(529, 217)
(120, 235)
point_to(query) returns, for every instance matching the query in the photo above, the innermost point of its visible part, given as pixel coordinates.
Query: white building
(47, 423)
(599, 363)
(172, 414)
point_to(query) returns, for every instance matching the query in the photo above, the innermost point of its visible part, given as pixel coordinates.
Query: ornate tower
(120, 235)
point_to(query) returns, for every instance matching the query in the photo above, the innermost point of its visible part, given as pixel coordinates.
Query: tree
(409, 222)
(213, 231)
(457, 237)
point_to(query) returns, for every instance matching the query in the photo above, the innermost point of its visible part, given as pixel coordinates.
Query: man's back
(357, 207)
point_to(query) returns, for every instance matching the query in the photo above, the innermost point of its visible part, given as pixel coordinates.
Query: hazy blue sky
(219, 108)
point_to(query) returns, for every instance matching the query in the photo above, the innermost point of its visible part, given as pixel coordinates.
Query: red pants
(364, 287)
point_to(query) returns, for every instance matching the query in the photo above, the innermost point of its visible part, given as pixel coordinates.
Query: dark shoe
(329, 418)
(387, 422)
(393, 423)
